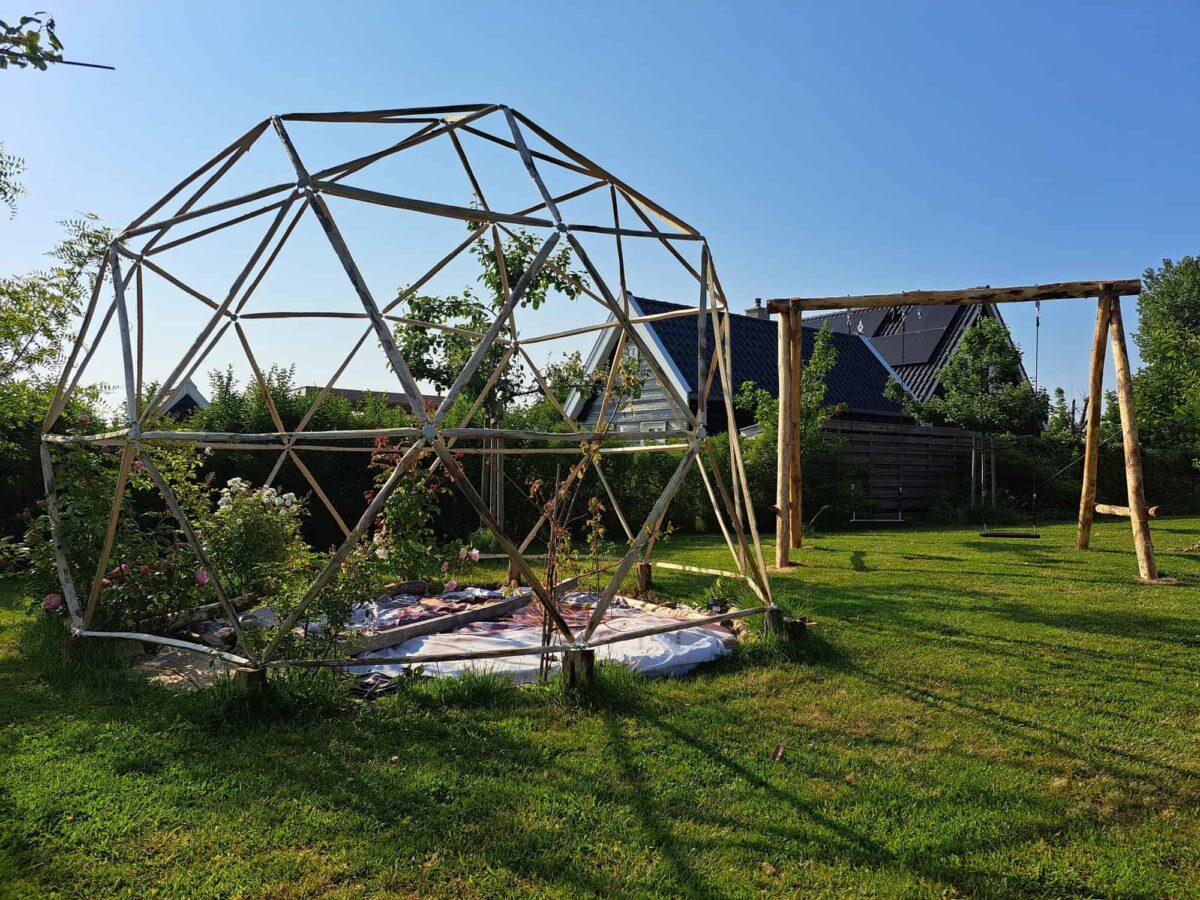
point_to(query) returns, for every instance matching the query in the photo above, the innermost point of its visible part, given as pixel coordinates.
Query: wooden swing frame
(305, 194)
(789, 534)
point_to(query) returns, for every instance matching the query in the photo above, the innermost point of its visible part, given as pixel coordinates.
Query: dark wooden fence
(880, 457)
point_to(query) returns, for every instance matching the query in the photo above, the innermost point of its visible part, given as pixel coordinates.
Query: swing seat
(1032, 535)
(891, 520)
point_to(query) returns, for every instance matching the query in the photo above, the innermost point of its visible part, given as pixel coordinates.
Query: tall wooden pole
(1135, 487)
(795, 506)
(783, 465)
(1091, 446)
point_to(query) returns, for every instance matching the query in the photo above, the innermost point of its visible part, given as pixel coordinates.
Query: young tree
(36, 310)
(1167, 388)
(760, 453)
(984, 386)
(438, 356)
(36, 314)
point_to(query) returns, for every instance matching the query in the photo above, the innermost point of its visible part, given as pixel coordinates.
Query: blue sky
(821, 148)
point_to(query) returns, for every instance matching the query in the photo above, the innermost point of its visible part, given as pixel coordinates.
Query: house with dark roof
(915, 341)
(185, 400)
(856, 383)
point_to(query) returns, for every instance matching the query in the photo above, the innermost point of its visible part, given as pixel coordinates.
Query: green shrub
(253, 538)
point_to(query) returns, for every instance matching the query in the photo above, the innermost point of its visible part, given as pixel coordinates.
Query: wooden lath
(1062, 290)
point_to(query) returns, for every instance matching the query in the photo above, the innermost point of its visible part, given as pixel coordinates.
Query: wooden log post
(1134, 485)
(644, 577)
(1108, 509)
(773, 623)
(783, 474)
(252, 681)
(795, 399)
(1091, 451)
(579, 668)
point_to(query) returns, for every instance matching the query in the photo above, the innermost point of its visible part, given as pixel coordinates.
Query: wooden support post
(1091, 452)
(773, 623)
(973, 469)
(644, 577)
(783, 473)
(992, 463)
(1135, 488)
(252, 681)
(795, 401)
(579, 668)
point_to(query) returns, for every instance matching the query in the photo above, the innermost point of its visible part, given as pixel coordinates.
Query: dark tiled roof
(857, 380)
(917, 346)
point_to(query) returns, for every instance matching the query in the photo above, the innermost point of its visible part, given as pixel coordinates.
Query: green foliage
(152, 572)
(11, 188)
(406, 533)
(22, 44)
(438, 356)
(1167, 388)
(760, 453)
(1063, 425)
(238, 408)
(984, 386)
(728, 592)
(37, 310)
(253, 538)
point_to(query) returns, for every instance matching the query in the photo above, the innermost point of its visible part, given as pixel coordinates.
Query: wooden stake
(783, 456)
(795, 422)
(60, 561)
(1135, 488)
(1091, 452)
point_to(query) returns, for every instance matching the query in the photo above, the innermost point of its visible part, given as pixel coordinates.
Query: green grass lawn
(976, 718)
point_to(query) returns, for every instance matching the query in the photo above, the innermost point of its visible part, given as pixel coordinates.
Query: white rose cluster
(268, 496)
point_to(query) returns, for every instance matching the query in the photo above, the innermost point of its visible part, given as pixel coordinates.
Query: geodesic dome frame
(283, 204)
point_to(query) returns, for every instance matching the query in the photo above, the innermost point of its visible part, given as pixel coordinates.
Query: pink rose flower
(452, 585)
(201, 577)
(104, 582)
(445, 567)
(474, 555)
(125, 570)
(84, 419)
(52, 602)
(144, 569)
(138, 465)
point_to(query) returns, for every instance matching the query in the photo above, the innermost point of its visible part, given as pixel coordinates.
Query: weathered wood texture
(1135, 488)
(1107, 509)
(481, 613)
(783, 457)
(1091, 441)
(1063, 290)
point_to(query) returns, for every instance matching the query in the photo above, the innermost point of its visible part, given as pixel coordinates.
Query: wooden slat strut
(1063, 290)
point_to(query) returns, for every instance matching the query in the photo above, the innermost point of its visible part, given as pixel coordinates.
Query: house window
(654, 426)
